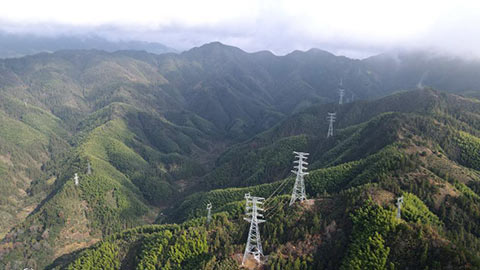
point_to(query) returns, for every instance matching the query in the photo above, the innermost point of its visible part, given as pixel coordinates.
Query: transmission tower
(399, 206)
(298, 192)
(331, 118)
(209, 212)
(89, 169)
(254, 244)
(75, 178)
(341, 92)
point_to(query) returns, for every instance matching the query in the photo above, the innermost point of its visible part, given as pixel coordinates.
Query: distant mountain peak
(309, 53)
(214, 48)
(319, 51)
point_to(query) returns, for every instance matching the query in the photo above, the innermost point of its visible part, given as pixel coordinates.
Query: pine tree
(297, 264)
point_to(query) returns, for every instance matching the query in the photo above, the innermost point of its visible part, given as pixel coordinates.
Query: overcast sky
(354, 28)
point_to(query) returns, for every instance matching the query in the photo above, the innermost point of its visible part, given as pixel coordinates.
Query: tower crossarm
(257, 220)
(303, 162)
(301, 153)
(257, 214)
(300, 173)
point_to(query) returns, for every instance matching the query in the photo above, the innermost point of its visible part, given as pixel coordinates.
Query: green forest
(165, 135)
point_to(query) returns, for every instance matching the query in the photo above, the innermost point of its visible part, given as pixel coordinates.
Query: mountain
(407, 69)
(164, 134)
(31, 138)
(18, 45)
(383, 149)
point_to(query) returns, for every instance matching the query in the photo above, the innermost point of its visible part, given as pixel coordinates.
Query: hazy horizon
(95, 37)
(351, 28)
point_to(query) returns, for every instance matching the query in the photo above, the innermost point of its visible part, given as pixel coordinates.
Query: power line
(267, 201)
(275, 210)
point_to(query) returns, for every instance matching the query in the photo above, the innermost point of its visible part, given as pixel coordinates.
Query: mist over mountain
(17, 45)
(420, 68)
(164, 134)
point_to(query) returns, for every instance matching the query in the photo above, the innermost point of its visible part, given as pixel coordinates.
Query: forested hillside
(165, 134)
(427, 155)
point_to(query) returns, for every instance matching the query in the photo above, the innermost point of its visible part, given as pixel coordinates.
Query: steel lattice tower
(341, 92)
(209, 212)
(89, 168)
(399, 206)
(298, 192)
(331, 118)
(254, 244)
(75, 178)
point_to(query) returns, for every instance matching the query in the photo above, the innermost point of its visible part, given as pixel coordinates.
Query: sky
(357, 29)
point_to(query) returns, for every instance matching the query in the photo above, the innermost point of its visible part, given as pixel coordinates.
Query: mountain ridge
(162, 130)
(355, 198)
(19, 45)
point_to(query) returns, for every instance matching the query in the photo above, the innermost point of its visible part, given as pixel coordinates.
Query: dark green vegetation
(165, 134)
(379, 152)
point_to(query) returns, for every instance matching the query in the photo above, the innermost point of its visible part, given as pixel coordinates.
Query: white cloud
(146, 13)
(351, 26)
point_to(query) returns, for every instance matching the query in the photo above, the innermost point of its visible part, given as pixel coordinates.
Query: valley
(166, 134)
